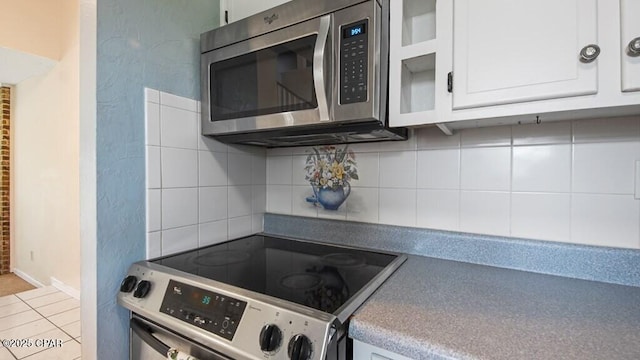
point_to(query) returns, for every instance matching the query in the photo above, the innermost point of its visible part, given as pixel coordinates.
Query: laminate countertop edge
(433, 308)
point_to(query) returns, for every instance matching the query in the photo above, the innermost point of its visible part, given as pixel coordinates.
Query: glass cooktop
(320, 276)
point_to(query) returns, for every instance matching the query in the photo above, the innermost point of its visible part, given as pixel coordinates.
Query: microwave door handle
(319, 58)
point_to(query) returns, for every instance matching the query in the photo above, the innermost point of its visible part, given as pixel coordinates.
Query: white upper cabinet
(508, 51)
(419, 61)
(513, 61)
(630, 46)
(240, 9)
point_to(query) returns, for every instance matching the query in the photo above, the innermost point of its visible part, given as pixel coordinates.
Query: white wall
(45, 185)
(199, 191)
(568, 181)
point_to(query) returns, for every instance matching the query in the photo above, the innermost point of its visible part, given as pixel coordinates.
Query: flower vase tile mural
(329, 170)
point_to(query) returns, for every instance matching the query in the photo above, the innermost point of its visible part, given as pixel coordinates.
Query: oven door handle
(145, 333)
(319, 68)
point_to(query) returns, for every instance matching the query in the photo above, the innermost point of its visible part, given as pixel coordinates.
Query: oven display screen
(216, 313)
(354, 30)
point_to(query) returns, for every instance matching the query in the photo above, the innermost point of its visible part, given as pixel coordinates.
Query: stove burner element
(301, 281)
(343, 260)
(221, 258)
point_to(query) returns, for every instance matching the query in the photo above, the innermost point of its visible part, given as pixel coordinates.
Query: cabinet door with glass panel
(420, 62)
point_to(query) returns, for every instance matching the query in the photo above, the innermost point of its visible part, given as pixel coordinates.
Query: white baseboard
(26, 277)
(71, 291)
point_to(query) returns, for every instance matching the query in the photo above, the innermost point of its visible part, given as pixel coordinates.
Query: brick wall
(5, 96)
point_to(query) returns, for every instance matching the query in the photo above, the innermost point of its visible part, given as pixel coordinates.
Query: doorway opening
(5, 226)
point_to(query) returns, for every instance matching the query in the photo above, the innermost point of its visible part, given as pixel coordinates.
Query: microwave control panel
(354, 49)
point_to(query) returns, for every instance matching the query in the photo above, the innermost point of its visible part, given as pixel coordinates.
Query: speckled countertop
(433, 308)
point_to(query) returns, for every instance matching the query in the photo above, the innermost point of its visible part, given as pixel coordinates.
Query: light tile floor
(41, 314)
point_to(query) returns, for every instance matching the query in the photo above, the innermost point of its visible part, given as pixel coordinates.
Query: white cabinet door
(630, 31)
(419, 61)
(239, 9)
(364, 351)
(510, 51)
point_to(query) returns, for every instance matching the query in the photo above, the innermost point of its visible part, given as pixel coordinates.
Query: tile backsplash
(571, 181)
(199, 191)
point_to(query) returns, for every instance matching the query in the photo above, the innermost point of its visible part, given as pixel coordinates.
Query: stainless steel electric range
(258, 297)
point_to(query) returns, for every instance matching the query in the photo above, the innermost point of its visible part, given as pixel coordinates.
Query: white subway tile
(434, 138)
(153, 167)
(637, 190)
(242, 149)
(541, 216)
(385, 146)
(279, 170)
(606, 220)
(607, 168)
(152, 123)
(239, 201)
(259, 170)
(179, 168)
(545, 133)
(151, 95)
(212, 168)
(207, 142)
(279, 199)
(179, 207)
(397, 207)
(363, 204)
(212, 203)
(339, 214)
(301, 150)
(258, 199)
(212, 232)
(179, 239)
(257, 223)
(178, 128)
(398, 169)
(154, 210)
(179, 102)
(153, 245)
(298, 172)
(239, 227)
(368, 165)
(239, 169)
(486, 169)
(542, 168)
(439, 169)
(606, 130)
(486, 136)
(438, 209)
(299, 204)
(210, 144)
(484, 212)
(284, 151)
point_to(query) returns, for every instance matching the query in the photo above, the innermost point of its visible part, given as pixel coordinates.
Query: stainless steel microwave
(307, 72)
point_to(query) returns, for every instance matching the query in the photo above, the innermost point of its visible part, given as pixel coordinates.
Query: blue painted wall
(140, 43)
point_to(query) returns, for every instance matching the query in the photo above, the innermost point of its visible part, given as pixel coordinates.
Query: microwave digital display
(354, 30)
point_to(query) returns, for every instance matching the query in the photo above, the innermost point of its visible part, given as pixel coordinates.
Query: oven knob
(299, 348)
(270, 338)
(128, 284)
(143, 289)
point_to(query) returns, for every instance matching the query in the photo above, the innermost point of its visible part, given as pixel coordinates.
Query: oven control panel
(354, 50)
(213, 312)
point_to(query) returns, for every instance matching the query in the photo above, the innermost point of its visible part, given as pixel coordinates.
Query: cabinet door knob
(634, 47)
(589, 53)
